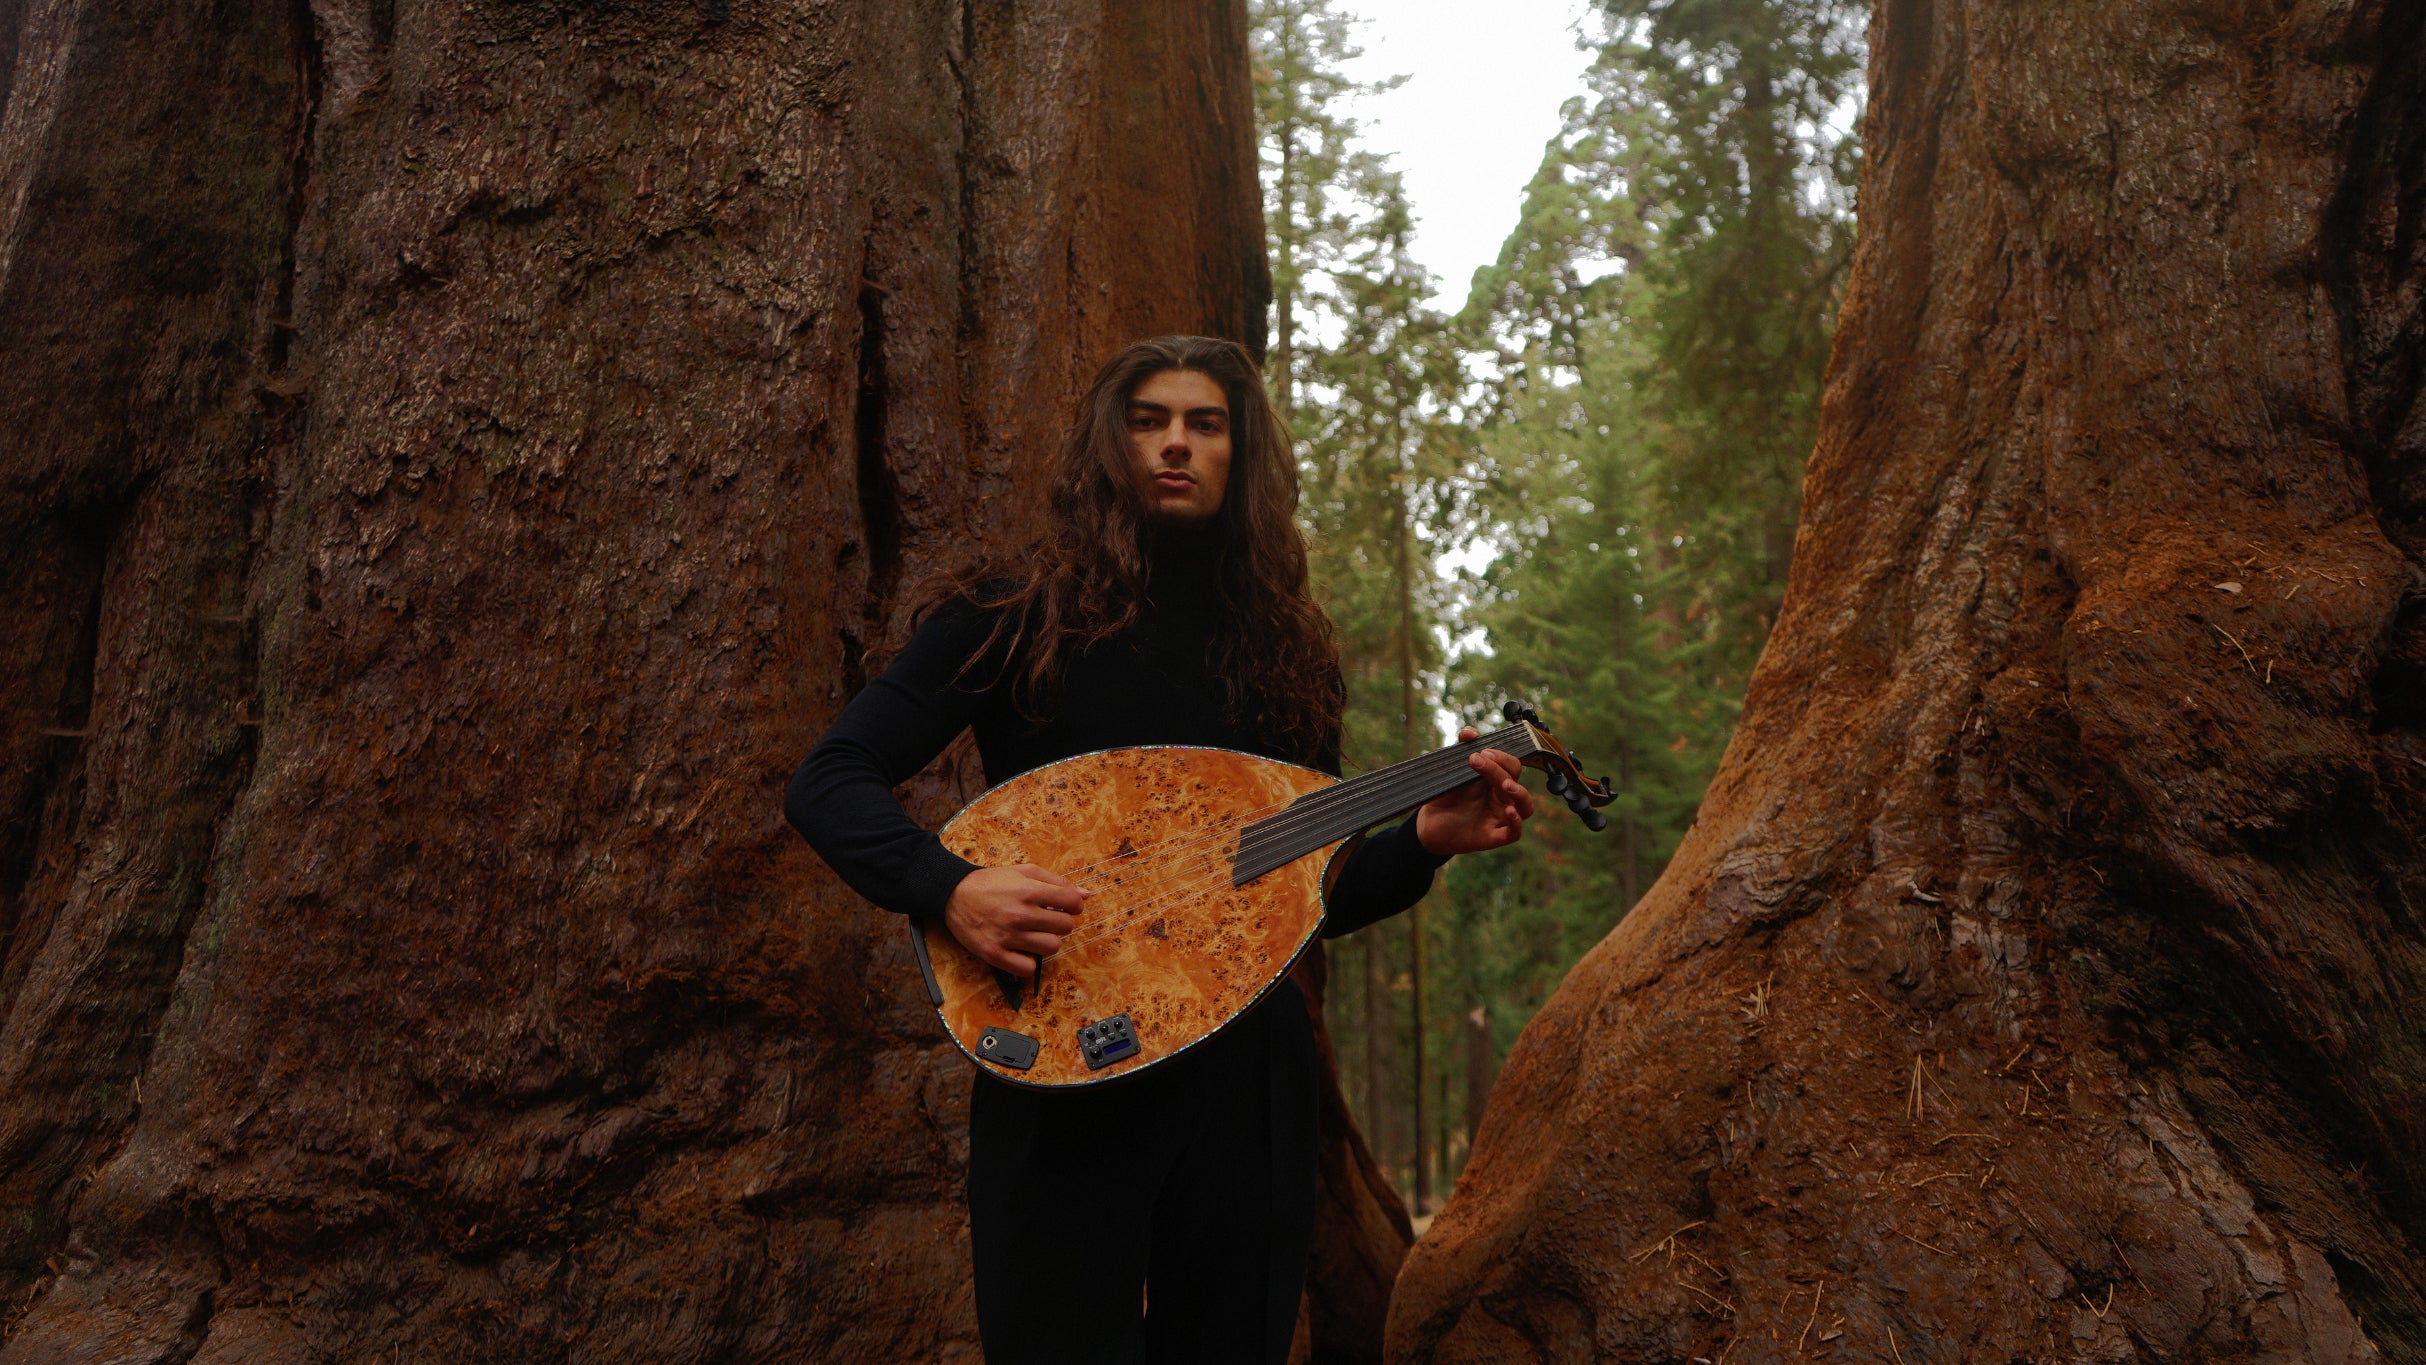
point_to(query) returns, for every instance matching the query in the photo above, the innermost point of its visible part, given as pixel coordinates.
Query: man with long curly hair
(1165, 1218)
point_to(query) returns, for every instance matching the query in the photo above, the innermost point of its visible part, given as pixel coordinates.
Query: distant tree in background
(2039, 978)
(1653, 336)
(1621, 412)
(1384, 456)
(1371, 379)
(1318, 186)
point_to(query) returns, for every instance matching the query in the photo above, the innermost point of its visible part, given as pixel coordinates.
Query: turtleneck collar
(1183, 561)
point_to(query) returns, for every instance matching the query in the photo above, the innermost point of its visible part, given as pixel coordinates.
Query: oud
(1209, 870)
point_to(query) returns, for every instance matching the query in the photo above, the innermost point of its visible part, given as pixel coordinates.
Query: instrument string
(1376, 790)
(1189, 867)
(1292, 816)
(1423, 778)
(1192, 854)
(1159, 847)
(1187, 876)
(1176, 891)
(1369, 804)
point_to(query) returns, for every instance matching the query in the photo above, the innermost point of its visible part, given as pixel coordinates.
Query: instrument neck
(1358, 804)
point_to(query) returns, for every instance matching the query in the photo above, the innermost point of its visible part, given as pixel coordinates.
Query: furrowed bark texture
(2045, 978)
(453, 461)
(1361, 1227)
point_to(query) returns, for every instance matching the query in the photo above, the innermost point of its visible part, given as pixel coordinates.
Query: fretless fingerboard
(1332, 814)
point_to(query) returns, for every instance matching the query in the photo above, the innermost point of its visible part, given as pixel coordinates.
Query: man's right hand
(1010, 917)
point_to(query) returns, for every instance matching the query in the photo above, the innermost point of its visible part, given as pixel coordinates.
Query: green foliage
(1370, 378)
(1656, 329)
(1380, 466)
(1368, 373)
(1619, 418)
(1321, 194)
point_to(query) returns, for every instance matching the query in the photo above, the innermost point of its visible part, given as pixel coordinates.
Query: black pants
(1162, 1218)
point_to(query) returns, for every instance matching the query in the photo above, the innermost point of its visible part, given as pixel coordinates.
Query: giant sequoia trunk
(455, 458)
(2045, 977)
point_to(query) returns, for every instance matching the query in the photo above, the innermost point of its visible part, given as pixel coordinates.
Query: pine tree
(1654, 331)
(1382, 461)
(1648, 346)
(1312, 170)
(1369, 375)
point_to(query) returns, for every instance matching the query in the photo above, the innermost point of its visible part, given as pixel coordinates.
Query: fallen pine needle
(1817, 1290)
(1941, 1175)
(1687, 1253)
(1952, 1136)
(1723, 1303)
(1646, 1251)
(2127, 1265)
(1919, 1243)
(1899, 1355)
(2236, 644)
(1912, 1108)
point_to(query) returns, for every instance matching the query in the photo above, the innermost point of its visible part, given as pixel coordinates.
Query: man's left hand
(1488, 812)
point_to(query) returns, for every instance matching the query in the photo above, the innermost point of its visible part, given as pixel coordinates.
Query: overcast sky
(1485, 82)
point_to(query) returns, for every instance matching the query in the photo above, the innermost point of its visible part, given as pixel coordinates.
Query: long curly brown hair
(1085, 581)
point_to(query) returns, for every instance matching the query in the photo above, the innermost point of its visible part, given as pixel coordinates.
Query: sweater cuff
(1405, 830)
(933, 876)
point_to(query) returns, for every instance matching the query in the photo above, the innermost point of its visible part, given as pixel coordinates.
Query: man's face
(1179, 421)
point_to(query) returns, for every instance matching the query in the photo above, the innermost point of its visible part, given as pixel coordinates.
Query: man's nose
(1175, 443)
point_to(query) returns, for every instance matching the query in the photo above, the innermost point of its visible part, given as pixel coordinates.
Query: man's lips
(1174, 479)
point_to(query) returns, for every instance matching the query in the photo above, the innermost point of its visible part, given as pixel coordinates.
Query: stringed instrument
(1209, 870)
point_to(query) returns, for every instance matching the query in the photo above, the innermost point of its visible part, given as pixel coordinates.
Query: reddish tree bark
(455, 460)
(2045, 977)
(1361, 1228)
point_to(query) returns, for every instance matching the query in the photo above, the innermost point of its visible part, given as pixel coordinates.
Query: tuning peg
(1517, 710)
(1593, 820)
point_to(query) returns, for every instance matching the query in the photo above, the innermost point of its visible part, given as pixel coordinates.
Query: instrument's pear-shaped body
(1208, 869)
(1167, 945)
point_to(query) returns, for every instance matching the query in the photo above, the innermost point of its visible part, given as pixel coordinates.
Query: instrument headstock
(1563, 771)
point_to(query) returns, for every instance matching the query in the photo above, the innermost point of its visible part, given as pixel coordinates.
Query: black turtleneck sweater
(1152, 684)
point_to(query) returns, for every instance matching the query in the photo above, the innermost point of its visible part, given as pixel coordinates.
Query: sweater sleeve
(1386, 872)
(841, 800)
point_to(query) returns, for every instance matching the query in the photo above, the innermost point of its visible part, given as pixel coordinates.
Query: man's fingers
(1520, 800)
(1017, 964)
(1512, 818)
(1066, 896)
(1042, 945)
(1502, 771)
(1046, 874)
(1039, 919)
(1496, 768)
(1467, 732)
